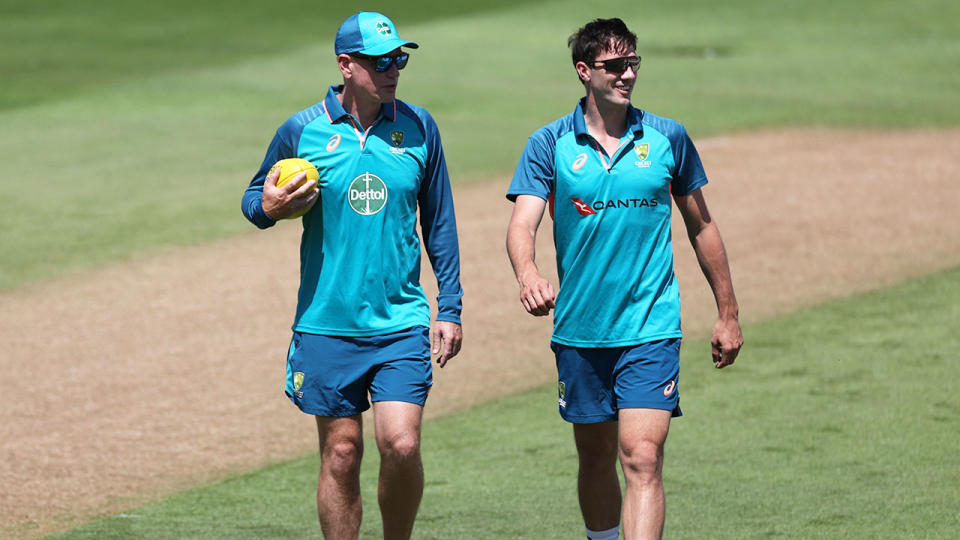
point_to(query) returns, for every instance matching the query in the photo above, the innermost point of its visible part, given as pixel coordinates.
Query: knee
(401, 448)
(342, 459)
(642, 461)
(597, 452)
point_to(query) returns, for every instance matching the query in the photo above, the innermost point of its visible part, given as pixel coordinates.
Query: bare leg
(401, 469)
(338, 489)
(597, 484)
(643, 433)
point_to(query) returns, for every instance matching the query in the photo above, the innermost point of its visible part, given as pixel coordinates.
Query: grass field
(839, 422)
(124, 130)
(58, 49)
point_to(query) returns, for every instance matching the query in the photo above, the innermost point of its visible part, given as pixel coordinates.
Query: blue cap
(369, 33)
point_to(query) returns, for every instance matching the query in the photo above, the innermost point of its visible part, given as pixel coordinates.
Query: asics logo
(670, 388)
(579, 162)
(334, 143)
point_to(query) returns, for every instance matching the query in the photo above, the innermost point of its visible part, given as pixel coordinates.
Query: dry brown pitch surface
(128, 383)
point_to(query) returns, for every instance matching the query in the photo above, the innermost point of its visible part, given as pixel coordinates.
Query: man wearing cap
(362, 321)
(607, 172)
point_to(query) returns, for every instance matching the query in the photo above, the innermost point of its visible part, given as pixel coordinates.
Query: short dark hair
(599, 35)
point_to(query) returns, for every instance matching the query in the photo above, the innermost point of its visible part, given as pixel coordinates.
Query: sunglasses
(383, 63)
(618, 65)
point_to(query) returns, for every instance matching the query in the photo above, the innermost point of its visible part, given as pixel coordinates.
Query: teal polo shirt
(359, 252)
(611, 225)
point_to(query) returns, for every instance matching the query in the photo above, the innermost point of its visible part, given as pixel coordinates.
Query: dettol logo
(367, 194)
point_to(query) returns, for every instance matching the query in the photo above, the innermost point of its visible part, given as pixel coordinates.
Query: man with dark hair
(607, 172)
(362, 321)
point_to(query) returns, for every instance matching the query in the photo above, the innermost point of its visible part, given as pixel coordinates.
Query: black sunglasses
(383, 63)
(618, 65)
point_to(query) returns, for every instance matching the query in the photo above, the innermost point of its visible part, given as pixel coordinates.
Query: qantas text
(591, 209)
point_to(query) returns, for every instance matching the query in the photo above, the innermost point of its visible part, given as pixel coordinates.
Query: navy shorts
(596, 383)
(332, 375)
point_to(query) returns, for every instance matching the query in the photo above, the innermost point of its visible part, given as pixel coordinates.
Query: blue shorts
(331, 375)
(596, 383)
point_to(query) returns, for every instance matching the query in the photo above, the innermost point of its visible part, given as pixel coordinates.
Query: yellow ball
(291, 167)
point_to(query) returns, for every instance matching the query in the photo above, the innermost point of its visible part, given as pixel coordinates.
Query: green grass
(839, 422)
(126, 127)
(53, 49)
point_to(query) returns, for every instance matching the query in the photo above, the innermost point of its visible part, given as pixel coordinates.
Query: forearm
(443, 250)
(252, 207)
(712, 256)
(536, 293)
(445, 259)
(521, 248)
(438, 224)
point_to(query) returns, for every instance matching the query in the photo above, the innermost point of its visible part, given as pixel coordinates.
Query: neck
(605, 118)
(364, 110)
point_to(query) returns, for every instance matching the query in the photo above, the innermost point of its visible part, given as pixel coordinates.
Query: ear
(345, 63)
(583, 70)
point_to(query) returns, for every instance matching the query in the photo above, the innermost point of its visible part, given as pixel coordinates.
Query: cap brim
(387, 46)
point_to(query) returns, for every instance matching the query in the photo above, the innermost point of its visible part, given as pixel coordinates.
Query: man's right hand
(284, 201)
(536, 294)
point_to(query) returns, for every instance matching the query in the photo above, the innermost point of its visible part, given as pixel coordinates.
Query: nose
(629, 73)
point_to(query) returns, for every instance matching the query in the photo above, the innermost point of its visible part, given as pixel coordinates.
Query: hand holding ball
(289, 169)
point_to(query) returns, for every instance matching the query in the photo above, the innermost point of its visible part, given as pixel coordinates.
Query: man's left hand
(727, 340)
(447, 337)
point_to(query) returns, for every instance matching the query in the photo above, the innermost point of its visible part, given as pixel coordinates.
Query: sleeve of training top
(283, 145)
(438, 224)
(689, 174)
(535, 172)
